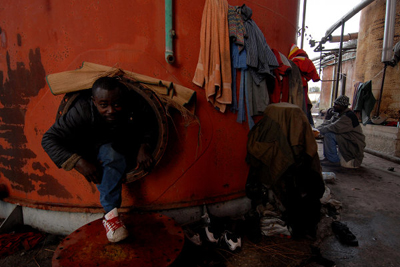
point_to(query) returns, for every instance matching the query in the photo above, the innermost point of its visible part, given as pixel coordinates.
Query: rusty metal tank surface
(200, 165)
(369, 54)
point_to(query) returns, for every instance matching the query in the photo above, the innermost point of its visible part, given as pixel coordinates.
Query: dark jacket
(349, 135)
(81, 131)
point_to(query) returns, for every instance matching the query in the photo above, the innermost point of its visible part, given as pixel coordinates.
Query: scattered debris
(329, 177)
(10, 243)
(343, 234)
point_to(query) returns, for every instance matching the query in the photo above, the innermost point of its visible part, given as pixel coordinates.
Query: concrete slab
(384, 139)
(370, 197)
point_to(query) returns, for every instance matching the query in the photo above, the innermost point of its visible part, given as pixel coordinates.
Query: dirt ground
(271, 251)
(268, 251)
(40, 255)
(370, 197)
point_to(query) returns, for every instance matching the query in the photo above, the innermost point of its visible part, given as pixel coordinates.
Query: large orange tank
(38, 38)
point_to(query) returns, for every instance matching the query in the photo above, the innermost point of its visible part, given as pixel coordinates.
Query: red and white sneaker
(115, 228)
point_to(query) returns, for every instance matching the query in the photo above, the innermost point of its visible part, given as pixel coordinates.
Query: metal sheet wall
(42, 37)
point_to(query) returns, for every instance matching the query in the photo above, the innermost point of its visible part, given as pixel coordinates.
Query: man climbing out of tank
(344, 131)
(99, 136)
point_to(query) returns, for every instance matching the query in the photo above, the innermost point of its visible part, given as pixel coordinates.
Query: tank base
(64, 223)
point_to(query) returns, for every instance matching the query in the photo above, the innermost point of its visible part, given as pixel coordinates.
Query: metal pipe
(342, 78)
(335, 50)
(382, 155)
(348, 16)
(339, 67)
(389, 30)
(303, 23)
(332, 64)
(345, 18)
(380, 96)
(347, 37)
(169, 33)
(343, 83)
(320, 63)
(332, 98)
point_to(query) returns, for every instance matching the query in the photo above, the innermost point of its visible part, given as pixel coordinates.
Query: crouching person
(342, 131)
(96, 137)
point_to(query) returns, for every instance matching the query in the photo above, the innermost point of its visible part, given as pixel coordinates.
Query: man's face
(108, 103)
(338, 108)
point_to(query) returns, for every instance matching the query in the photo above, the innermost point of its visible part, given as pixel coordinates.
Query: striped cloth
(260, 57)
(237, 31)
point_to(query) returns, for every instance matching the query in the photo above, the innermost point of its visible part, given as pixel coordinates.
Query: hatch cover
(155, 240)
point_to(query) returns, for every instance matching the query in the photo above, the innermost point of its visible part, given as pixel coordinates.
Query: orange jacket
(306, 66)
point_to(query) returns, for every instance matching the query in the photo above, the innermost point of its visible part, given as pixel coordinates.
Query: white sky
(321, 15)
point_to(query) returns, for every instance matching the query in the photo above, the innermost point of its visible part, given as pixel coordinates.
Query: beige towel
(83, 78)
(214, 65)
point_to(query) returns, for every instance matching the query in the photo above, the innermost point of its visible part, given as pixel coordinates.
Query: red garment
(11, 243)
(306, 66)
(281, 81)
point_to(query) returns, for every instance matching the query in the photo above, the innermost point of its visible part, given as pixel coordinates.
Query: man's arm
(89, 170)
(329, 118)
(145, 158)
(339, 126)
(55, 141)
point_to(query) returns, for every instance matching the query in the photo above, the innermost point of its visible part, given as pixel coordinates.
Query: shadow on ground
(267, 251)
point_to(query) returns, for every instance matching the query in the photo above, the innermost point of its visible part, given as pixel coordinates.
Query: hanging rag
(296, 91)
(260, 58)
(258, 95)
(237, 31)
(279, 140)
(84, 77)
(282, 153)
(213, 69)
(365, 101)
(281, 89)
(306, 66)
(357, 86)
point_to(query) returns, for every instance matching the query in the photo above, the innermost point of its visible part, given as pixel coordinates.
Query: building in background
(362, 62)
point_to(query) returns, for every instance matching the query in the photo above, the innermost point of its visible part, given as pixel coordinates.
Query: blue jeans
(330, 150)
(114, 167)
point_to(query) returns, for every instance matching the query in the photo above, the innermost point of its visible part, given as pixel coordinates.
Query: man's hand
(144, 158)
(329, 113)
(89, 170)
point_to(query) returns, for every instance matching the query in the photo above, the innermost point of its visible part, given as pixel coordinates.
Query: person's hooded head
(341, 103)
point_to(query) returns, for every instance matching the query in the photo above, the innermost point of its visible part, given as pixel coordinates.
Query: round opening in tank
(144, 103)
(156, 119)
